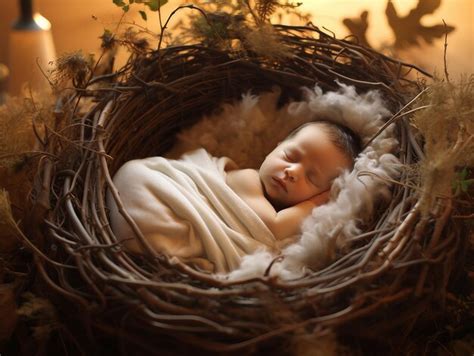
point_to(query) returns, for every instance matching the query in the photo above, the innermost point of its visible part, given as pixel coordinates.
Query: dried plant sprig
(22, 124)
(108, 40)
(263, 10)
(447, 126)
(266, 8)
(20, 120)
(264, 41)
(233, 19)
(135, 40)
(75, 66)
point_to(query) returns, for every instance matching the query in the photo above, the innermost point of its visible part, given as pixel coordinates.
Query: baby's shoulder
(244, 181)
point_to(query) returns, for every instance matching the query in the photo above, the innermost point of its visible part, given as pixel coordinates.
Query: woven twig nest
(397, 267)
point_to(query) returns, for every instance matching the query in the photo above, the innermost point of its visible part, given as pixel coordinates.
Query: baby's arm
(287, 222)
(282, 224)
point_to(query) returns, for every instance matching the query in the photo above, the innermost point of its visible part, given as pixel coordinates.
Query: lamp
(30, 45)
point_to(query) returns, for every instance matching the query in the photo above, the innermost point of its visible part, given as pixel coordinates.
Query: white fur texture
(246, 132)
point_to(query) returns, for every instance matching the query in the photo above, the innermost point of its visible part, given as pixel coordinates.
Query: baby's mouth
(281, 183)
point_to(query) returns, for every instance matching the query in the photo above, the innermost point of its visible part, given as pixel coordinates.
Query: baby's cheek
(307, 193)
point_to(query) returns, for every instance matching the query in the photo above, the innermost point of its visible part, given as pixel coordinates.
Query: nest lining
(248, 130)
(388, 279)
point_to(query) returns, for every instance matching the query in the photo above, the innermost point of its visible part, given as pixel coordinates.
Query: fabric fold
(185, 209)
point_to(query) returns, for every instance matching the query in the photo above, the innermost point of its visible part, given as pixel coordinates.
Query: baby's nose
(292, 173)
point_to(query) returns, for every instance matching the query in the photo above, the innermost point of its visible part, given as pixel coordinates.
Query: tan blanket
(185, 208)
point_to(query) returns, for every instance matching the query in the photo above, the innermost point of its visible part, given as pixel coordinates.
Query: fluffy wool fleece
(250, 129)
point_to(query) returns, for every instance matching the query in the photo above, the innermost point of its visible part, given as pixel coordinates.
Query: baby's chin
(276, 202)
(279, 203)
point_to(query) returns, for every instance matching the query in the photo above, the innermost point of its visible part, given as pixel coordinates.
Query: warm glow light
(42, 22)
(329, 14)
(30, 53)
(458, 13)
(75, 28)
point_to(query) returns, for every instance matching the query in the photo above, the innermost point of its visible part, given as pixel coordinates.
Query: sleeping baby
(296, 176)
(205, 211)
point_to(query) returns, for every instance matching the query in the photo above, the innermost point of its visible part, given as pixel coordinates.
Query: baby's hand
(321, 198)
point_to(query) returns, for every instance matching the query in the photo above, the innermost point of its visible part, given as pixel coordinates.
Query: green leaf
(464, 186)
(463, 173)
(126, 8)
(119, 3)
(154, 5)
(143, 15)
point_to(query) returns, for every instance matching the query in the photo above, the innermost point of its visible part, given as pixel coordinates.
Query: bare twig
(445, 53)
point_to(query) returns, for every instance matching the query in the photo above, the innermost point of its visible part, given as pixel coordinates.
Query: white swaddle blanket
(185, 208)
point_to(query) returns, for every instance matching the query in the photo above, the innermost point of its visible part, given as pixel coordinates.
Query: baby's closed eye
(311, 176)
(290, 156)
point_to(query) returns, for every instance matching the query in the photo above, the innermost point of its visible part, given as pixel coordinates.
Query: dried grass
(250, 21)
(75, 67)
(264, 41)
(20, 117)
(447, 125)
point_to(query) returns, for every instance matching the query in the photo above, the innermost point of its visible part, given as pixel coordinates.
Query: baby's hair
(341, 136)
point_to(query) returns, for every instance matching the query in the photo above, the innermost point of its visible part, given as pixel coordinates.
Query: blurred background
(78, 24)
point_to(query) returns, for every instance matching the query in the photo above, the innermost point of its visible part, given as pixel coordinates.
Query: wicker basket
(397, 269)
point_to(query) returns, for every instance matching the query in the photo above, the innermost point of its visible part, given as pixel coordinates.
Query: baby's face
(301, 167)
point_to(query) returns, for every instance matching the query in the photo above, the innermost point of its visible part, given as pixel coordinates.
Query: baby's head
(307, 161)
